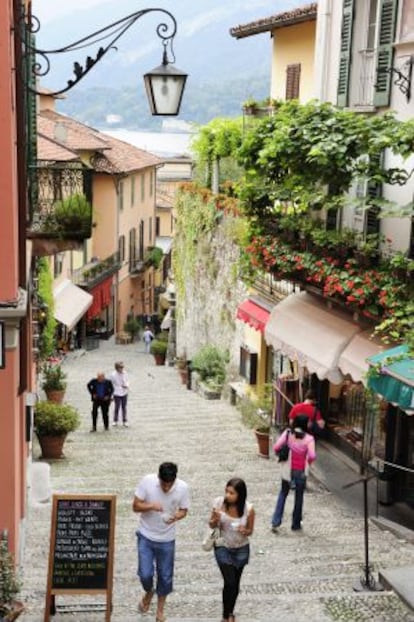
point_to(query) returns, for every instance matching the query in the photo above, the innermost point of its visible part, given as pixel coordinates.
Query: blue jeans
(156, 555)
(299, 482)
(120, 402)
(231, 563)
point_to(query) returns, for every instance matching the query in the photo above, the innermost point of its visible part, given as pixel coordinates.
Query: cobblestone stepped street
(294, 577)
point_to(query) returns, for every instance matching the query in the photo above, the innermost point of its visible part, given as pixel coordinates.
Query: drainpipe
(322, 44)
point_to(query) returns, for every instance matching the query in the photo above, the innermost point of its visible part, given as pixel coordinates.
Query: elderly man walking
(101, 390)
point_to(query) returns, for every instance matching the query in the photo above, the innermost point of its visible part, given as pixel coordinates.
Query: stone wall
(213, 290)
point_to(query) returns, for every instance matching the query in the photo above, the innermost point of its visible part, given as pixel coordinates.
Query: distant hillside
(220, 67)
(201, 103)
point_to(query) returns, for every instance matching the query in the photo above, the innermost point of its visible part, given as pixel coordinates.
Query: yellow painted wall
(254, 340)
(294, 44)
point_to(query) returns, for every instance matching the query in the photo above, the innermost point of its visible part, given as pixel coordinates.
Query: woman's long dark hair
(240, 487)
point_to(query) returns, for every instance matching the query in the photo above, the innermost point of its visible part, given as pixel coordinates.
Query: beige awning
(305, 330)
(353, 360)
(71, 303)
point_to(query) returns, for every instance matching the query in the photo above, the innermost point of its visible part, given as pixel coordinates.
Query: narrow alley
(295, 577)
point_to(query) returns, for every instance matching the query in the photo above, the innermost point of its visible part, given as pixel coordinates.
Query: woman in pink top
(301, 454)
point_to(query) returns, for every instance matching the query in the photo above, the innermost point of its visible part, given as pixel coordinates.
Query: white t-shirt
(152, 524)
(120, 382)
(229, 525)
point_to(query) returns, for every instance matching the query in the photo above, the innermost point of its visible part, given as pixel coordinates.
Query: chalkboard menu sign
(81, 546)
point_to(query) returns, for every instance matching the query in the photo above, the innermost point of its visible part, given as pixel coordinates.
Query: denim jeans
(231, 563)
(298, 481)
(156, 556)
(120, 402)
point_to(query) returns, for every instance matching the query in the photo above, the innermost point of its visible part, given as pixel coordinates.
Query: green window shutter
(345, 53)
(411, 247)
(385, 53)
(374, 191)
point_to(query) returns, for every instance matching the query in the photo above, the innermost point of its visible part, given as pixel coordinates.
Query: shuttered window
(132, 247)
(345, 53)
(121, 248)
(374, 191)
(388, 19)
(411, 248)
(292, 81)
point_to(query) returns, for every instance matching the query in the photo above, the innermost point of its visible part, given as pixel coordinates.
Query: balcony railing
(272, 289)
(51, 189)
(96, 271)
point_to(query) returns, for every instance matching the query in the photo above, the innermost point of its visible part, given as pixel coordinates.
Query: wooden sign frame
(75, 554)
(2, 345)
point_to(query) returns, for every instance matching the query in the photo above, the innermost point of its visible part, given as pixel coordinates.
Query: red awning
(253, 314)
(101, 298)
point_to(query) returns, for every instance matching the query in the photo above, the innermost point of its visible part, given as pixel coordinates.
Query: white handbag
(210, 539)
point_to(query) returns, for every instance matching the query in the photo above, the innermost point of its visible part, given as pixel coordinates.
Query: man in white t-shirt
(161, 500)
(119, 379)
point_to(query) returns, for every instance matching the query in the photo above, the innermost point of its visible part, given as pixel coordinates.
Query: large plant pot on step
(52, 446)
(55, 396)
(263, 441)
(159, 359)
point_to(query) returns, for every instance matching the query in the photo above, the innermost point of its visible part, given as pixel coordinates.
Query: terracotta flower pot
(263, 440)
(52, 446)
(55, 396)
(159, 359)
(183, 375)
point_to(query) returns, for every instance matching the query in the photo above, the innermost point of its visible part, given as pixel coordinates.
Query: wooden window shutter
(374, 191)
(345, 53)
(385, 52)
(292, 81)
(411, 247)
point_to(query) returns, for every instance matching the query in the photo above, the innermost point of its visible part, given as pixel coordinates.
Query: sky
(47, 10)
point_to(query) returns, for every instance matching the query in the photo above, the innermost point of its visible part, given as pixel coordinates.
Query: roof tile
(280, 20)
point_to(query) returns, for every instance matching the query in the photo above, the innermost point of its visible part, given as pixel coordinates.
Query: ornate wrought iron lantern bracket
(38, 61)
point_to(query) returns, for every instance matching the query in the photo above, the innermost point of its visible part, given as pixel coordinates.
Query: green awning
(395, 380)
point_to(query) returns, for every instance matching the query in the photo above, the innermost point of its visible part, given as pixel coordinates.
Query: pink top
(302, 450)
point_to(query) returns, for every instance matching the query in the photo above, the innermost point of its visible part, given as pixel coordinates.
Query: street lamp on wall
(164, 84)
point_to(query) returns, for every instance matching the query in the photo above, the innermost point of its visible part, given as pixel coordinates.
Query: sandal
(145, 602)
(162, 619)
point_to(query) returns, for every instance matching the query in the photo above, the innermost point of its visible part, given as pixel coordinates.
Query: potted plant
(257, 414)
(73, 215)
(132, 327)
(10, 608)
(182, 366)
(154, 257)
(158, 349)
(250, 106)
(53, 382)
(210, 364)
(52, 423)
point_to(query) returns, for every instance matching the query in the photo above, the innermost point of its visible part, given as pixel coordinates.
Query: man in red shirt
(309, 409)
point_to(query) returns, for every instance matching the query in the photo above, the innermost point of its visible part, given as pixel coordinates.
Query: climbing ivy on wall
(45, 292)
(195, 255)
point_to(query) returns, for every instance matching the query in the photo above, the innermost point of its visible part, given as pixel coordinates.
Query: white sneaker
(115, 423)
(126, 424)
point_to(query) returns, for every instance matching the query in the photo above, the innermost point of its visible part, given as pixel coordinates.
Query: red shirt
(305, 408)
